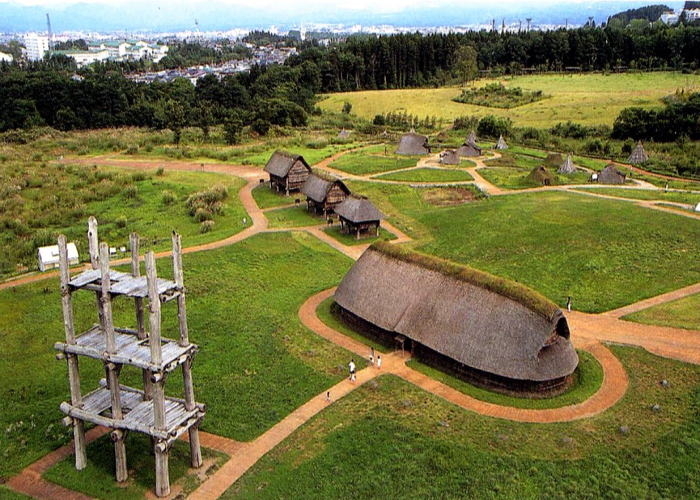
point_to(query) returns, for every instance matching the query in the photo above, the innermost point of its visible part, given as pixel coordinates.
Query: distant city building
(5, 57)
(37, 46)
(84, 57)
(691, 12)
(116, 51)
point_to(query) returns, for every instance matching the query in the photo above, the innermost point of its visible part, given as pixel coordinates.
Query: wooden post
(72, 360)
(138, 305)
(162, 472)
(180, 282)
(93, 242)
(154, 340)
(195, 448)
(111, 369)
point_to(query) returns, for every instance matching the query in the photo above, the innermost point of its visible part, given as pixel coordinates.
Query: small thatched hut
(501, 144)
(611, 175)
(322, 194)
(358, 216)
(288, 172)
(449, 157)
(413, 144)
(344, 134)
(553, 160)
(490, 330)
(638, 155)
(540, 175)
(568, 166)
(471, 138)
(469, 149)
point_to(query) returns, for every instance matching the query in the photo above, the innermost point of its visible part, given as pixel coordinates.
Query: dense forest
(649, 13)
(414, 60)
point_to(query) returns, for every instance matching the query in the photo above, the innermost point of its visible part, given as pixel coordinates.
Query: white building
(37, 46)
(6, 57)
(669, 18)
(85, 57)
(48, 256)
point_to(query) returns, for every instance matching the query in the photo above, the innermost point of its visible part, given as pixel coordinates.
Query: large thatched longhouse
(492, 331)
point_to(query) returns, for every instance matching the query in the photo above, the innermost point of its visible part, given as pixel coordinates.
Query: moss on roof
(513, 290)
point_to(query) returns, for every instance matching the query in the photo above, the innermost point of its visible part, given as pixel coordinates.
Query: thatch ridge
(513, 290)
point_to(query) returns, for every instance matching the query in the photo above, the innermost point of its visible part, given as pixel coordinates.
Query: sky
(153, 15)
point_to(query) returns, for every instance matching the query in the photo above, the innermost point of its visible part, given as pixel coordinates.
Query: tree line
(415, 60)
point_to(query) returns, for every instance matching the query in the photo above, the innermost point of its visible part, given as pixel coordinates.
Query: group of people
(374, 360)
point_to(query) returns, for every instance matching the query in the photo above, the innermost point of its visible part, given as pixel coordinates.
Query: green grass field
(589, 377)
(363, 162)
(289, 217)
(590, 99)
(428, 175)
(517, 178)
(267, 198)
(681, 313)
(97, 479)
(689, 198)
(257, 362)
(389, 439)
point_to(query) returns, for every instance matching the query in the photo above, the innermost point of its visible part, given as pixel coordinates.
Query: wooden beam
(138, 306)
(157, 389)
(93, 242)
(106, 300)
(162, 472)
(178, 274)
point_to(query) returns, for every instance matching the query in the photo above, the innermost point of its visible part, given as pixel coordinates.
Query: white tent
(48, 256)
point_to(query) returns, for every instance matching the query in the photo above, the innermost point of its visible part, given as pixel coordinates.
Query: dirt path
(653, 301)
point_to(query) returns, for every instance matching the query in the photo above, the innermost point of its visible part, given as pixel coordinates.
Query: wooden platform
(138, 414)
(130, 349)
(124, 284)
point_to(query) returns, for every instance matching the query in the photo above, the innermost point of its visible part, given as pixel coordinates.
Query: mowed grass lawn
(267, 198)
(389, 439)
(363, 162)
(296, 216)
(590, 99)
(428, 175)
(689, 198)
(257, 362)
(681, 313)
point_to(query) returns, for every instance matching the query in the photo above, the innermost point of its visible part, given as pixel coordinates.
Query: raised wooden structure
(111, 404)
(288, 172)
(323, 195)
(358, 216)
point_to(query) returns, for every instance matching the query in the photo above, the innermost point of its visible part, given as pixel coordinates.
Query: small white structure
(48, 256)
(6, 57)
(697, 207)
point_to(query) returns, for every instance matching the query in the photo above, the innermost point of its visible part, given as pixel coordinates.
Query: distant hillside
(651, 13)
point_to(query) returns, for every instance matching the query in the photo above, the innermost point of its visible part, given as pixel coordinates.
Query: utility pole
(50, 34)
(528, 23)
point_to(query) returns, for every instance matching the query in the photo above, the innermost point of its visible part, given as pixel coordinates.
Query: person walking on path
(379, 362)
(351, 366)
(371, 355)
(568, 303)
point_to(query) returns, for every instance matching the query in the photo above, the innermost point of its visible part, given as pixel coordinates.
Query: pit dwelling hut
(540, 175)
(492, 331)
(359, 216)
(501, 144)
(553, 160)
(471, 138)
(288, 172)
(413, 144)
(568, 166)
(323, 194)
(469, 149)
(449, 157)
(118, 407)
(48, 257)
(638, 155)
(611, 175)
(344, 134)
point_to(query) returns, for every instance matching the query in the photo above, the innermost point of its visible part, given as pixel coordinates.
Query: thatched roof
(501, 144)
(358, 209)
(611, 175)
(281, 162)
(413, 144)
(483, 321)
(471, 138)
(638, 155)
(568, 166)
(449, 157)
(344, 134)
(553, 160)
(317, 187)
(541, 175)
(469, 149)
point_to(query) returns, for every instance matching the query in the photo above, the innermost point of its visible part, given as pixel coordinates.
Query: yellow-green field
(591, 99)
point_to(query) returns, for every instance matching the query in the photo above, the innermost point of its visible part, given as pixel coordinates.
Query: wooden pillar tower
(113, 405)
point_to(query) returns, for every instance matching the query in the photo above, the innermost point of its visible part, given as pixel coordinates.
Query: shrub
(493, 126)
(379, 120)
(121, 221)
(465, 123)
(160, 172)
(131, 192)
(206, 226)
(43, 237)
(132, 150)
(202, 214)
(138, 176)
(168, 197)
